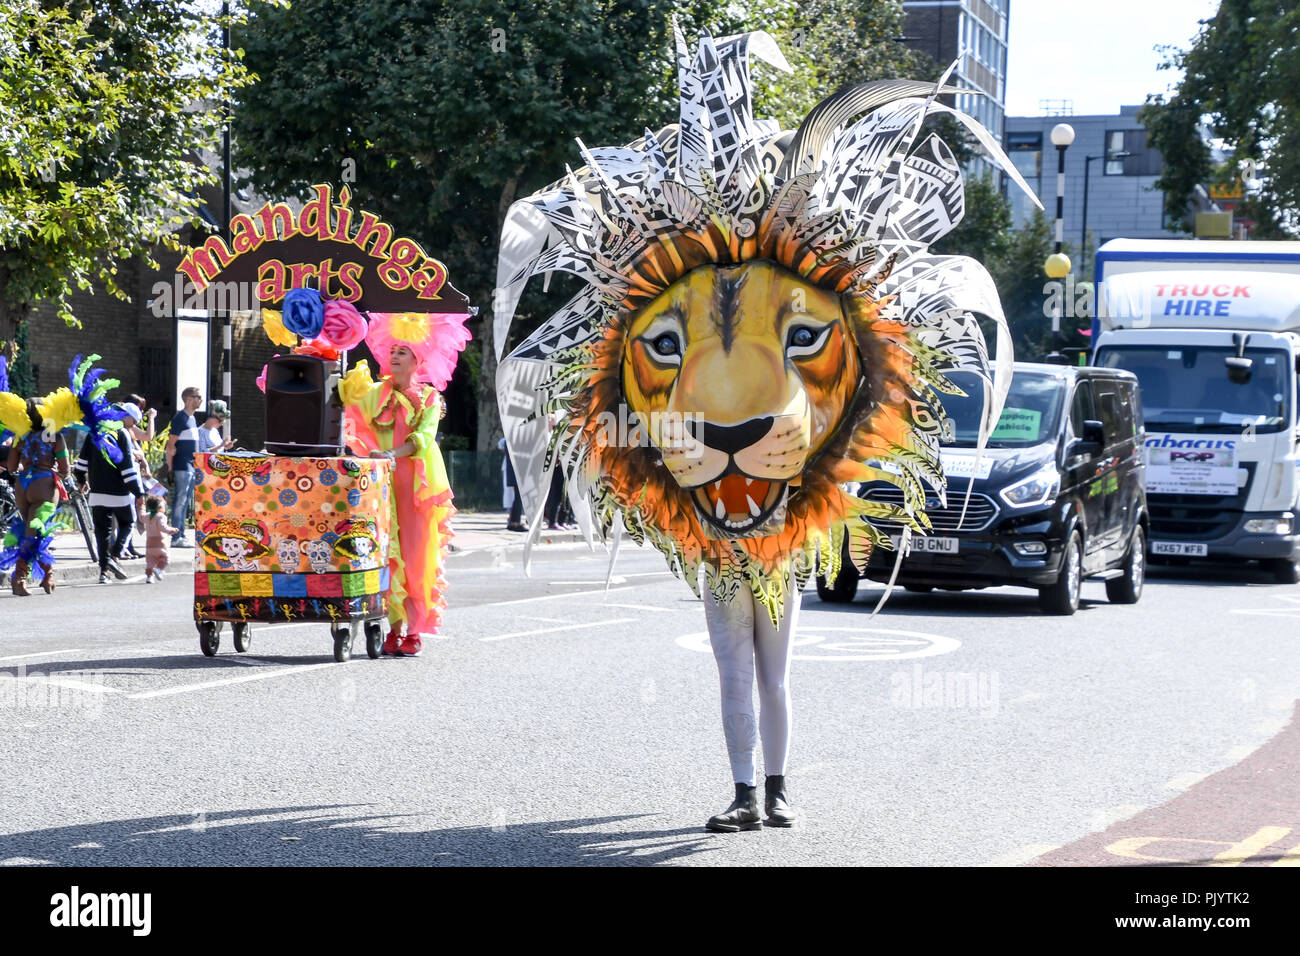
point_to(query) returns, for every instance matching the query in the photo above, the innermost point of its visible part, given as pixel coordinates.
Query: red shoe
(410, 647)
(392, 645)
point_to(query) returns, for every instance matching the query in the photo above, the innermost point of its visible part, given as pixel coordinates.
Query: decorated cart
(287, 540)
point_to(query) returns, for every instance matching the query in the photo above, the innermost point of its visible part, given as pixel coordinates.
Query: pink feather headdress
(437, 340)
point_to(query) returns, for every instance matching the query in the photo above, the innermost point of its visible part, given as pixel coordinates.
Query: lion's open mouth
(737, 504)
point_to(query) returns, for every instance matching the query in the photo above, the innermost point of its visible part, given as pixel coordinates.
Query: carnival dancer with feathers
(397, 418)
(39, 452)
(764, 304)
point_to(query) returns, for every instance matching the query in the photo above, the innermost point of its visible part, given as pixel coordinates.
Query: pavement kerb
(481, 531)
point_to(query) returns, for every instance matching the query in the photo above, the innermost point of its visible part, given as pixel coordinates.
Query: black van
(1058, 494)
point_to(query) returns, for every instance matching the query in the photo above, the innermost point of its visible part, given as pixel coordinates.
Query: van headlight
(1038, 489)
(1282, 525)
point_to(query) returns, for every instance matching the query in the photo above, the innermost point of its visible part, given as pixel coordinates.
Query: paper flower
(303, 312)
(319, 348)
(343, 326)
(273, 326)
(356, 384)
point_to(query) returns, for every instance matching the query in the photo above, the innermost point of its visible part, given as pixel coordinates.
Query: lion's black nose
(729, 438)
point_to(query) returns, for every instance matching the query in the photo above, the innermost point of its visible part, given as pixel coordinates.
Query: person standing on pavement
(182, 443)
(116, 493)
(210, 437)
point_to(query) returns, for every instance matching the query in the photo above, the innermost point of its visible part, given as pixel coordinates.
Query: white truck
(1212, 331)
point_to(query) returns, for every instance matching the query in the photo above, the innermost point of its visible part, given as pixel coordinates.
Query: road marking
(862, 644)
(1023, 855)
(81, 685)
(19, 657)
(1237, 754)
(553, 630)
(552, 597)
(616, 579)
(242, 679)
(645, 607)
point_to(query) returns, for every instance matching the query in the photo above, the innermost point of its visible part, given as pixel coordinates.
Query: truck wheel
(1062, 597)
(842, 590)
(1127, 589)
(1285, 570)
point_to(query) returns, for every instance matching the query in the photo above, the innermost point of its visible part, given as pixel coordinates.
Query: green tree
(444, 113)
(984, 231)
(101, 108)
(1240, 80)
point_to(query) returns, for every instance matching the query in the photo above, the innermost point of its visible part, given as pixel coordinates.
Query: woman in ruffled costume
(38, 451)
(397, 418)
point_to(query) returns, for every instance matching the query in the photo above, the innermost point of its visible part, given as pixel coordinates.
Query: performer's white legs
(741, 634)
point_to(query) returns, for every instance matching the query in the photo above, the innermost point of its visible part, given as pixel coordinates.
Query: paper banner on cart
(283, 539)
(1192, 471)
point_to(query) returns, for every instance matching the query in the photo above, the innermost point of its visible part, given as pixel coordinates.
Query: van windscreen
(1029, 415)
(1187, 387)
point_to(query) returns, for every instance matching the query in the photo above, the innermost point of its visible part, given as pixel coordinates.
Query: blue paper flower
(304, 312)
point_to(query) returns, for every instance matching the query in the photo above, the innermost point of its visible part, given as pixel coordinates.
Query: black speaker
(303, 414)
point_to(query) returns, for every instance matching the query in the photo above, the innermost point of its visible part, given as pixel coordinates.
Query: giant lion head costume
(762, 325)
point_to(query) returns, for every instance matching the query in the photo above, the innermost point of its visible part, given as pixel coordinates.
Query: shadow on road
(340, 835)
(1231, 575)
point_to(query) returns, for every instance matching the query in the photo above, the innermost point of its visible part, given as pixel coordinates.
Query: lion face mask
(762, 325)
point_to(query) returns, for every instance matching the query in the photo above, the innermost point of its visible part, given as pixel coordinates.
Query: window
(1081, 408)
(1142, 159)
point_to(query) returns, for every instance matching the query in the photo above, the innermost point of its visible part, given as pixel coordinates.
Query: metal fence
(475, 479)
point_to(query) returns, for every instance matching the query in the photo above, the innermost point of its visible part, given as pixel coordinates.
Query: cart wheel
(243, 635)
(342, 643)
(209, 637)
(374, 639)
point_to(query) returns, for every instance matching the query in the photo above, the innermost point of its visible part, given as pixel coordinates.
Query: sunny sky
(1099, 53)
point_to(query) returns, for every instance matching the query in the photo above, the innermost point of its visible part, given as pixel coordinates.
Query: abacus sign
(344, 253)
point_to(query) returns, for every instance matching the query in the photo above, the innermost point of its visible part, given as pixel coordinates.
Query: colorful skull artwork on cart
(288, 555)
(235, 543)
(357, 543)
(320, 553)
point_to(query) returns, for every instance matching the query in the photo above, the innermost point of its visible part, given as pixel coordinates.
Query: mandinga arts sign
(344, 253)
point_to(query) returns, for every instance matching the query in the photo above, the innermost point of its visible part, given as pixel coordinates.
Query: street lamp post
(1087, 162)
(1057, 265)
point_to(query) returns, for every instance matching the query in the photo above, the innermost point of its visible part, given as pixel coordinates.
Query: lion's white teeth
(754, 510)
(717, 486)
(720, 510)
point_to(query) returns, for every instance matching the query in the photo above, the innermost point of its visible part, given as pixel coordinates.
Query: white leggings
(742, 637)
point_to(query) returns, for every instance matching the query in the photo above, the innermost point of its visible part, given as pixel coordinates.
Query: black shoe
(741, 815)
(776, 804)
(115, 569)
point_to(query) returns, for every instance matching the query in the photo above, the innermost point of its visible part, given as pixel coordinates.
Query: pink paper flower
(343, 327)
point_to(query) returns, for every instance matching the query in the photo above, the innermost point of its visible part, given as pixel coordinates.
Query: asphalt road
(556, 723)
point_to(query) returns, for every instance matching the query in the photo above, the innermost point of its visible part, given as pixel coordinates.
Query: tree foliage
(102, 105)
(1240, 80)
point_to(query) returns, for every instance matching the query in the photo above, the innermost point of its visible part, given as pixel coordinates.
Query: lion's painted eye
(804, 340)
(666, 347)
